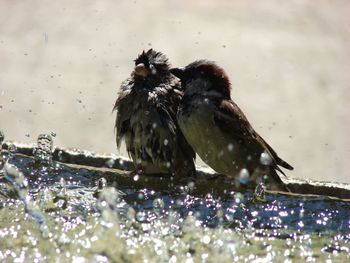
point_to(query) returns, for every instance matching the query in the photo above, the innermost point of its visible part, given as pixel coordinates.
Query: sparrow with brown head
(220, 133)
(146, 118)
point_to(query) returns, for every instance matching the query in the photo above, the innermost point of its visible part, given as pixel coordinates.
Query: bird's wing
(231, 120)
(122, 106)
(174, 98)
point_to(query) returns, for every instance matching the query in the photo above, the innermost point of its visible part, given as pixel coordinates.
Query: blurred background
(62, 62)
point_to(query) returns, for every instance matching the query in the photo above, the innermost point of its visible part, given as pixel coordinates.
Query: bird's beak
(141, 70)
(178, 72)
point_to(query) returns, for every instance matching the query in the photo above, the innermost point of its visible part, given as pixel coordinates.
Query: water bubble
(141, 196)
(166, 141)
(43, 151)
(121, 162)
(27, 135)
(140, 216)
(110, 163)
(206, 239)
(238, 198)
(265, 158)
(230, 147)
(244, 176)
(190, 186)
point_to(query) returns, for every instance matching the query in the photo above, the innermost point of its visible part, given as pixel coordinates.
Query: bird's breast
(221, 151)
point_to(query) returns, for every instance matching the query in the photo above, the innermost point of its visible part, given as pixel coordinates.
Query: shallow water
(51, 212)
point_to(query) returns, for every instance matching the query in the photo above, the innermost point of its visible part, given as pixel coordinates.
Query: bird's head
(204, 77)
(151, 65)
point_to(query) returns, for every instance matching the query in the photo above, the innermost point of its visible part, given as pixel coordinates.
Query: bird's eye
(153, 69)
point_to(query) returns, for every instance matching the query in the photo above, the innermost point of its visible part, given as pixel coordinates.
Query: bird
(220, 133)
(146, 119)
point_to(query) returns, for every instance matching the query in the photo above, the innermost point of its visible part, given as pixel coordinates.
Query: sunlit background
(62, 62)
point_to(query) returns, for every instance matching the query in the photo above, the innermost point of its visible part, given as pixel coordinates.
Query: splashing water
(43, 151)
(136, 221)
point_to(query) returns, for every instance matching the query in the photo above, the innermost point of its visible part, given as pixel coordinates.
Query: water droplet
(166, 142)
(259, 193)
(206, 239)
(244, 176)
(283, 213)
(140, 216)
(254, 213)
(238, 198)
(101, 183)
(230, 147)
(17, 180)
(136, 177)
(59, 154)
(141, 196)
(189, 188)
(110, 163)
(265, 158)
(63, 183)
(43, 151)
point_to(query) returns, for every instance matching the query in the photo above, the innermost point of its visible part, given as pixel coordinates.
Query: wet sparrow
(219, 131)
(146, 118)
